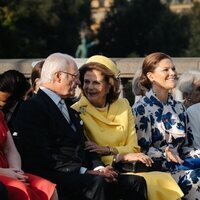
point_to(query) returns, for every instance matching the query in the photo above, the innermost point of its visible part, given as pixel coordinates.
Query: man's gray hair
(187, 80)
(54, 63)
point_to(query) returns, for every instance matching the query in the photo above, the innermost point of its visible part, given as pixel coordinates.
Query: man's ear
(57, 76)
(150, 76)
(36, 81)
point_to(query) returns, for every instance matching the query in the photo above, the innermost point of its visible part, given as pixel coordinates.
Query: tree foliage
(36, 28)
(139, 27)
(194, 45)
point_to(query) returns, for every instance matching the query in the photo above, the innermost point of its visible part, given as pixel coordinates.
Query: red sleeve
(3, 124)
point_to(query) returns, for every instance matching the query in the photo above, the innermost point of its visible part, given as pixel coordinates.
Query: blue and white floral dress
(160, 125)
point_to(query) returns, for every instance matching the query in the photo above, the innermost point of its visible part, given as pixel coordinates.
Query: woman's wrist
(112, 150)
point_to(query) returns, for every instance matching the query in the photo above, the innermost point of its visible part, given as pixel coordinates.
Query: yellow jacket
(111, 127)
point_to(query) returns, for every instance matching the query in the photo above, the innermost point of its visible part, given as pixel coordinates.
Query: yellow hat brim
(107, 62)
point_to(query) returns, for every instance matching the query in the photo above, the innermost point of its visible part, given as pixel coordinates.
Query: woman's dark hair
(14, 83)
(149, 65)
(109, 77)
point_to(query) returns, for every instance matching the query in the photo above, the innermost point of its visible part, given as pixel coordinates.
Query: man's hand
(107, 172)
(93, 147)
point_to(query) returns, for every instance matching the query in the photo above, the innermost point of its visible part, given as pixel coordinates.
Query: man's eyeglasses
(74, 75)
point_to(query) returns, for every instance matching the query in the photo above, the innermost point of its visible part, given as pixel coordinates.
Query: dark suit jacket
(6, 110)
(12, 119)
(47, 141)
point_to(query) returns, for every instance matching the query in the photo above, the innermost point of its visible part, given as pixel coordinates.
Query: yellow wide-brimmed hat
(107, 62)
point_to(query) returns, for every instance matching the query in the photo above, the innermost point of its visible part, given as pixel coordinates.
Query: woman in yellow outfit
(109, 124)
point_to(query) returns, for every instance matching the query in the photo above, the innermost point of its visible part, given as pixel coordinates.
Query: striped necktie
(63, 108)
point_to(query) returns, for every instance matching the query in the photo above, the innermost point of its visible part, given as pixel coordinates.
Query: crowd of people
(54, 145)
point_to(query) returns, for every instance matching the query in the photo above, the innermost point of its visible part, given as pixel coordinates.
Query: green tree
(194, 44)
(7, 27)
(40, 27)
(139, 27)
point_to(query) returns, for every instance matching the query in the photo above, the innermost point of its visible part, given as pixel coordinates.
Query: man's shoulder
(195, 108)
(34, 103)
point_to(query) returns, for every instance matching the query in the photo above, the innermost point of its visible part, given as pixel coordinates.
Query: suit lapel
(55, 113)
(75, 118)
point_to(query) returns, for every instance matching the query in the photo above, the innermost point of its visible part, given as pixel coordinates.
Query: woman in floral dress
(162, 124)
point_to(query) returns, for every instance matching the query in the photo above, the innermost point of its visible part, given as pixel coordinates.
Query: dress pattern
(160, 125)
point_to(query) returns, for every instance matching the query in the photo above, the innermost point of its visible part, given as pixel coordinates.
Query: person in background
(189, 85)
(13, 89)
(35, 76)
(162, 124)
(52, 140)
(109, 124)
(194, 116)
(137, 89)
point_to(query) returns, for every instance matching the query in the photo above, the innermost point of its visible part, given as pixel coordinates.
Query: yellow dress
(114, 126)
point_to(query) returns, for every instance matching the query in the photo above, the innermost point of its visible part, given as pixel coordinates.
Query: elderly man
(52, 141)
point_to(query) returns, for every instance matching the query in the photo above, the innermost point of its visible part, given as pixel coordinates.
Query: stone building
(99, 8)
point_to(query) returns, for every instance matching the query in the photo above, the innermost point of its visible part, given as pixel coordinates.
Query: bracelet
(116, 158)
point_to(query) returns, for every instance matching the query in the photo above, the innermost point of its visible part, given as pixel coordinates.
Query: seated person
(35, 76)
(189, 85)
(52, 141)
(19, 184)
(162, 124)
(109, 124)
(13, 88)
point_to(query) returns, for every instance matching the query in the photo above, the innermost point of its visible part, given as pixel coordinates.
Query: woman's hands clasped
(15, 173)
